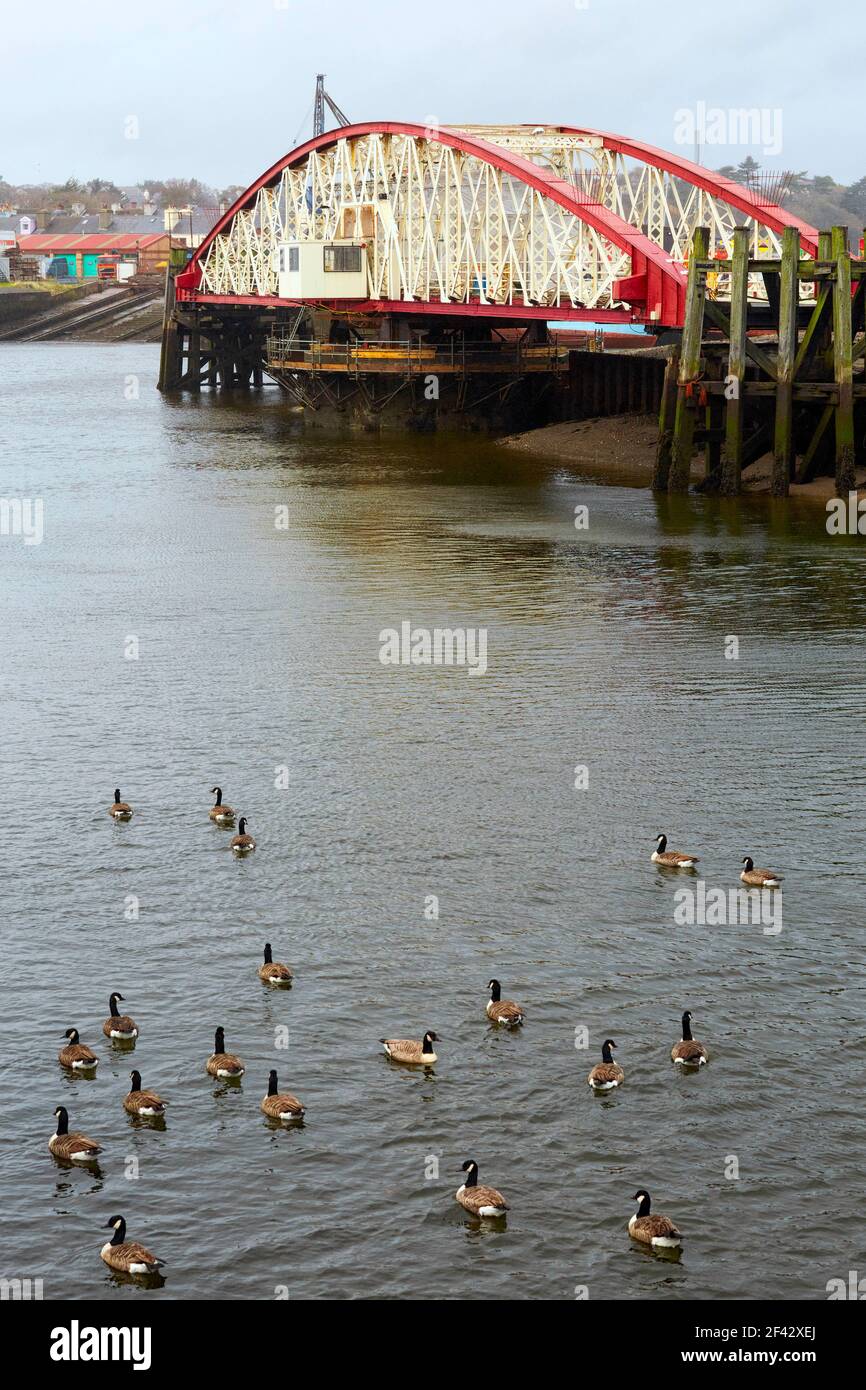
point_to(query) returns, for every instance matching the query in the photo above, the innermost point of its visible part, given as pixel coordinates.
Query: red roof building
(150, 250)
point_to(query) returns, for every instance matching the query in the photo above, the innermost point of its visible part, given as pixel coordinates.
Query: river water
(205, 607)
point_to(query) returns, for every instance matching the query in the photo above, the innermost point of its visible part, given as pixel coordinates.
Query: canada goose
(658, 1231)
(413, 1054)
(608, 1073)
(140, 1102)
(222, 1063)
(272, 972)
(218, 812)
(127, 1256)
(242, 843)
(119, 1026)
(481, 1201)
(689, 1052)
(503, 1010)
(759, 878)
(74, 1148)
(281, 1105)
(121, 810)
(75, 1055)
(669, 858)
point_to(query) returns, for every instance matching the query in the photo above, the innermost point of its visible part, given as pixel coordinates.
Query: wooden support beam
(807, 463)
(667, 412)
(690, 362)
(857, 300)
(762, 359)
(821, 268)
(193, 369)
(714, 437)
(843, 363)
(732, 453)
(820, 316)
(757, 445)
(824, 338)
(773, 288)
(789, 292)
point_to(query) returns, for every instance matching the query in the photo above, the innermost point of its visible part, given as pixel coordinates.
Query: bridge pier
(202, 346)
(739, 397)
(394, 372)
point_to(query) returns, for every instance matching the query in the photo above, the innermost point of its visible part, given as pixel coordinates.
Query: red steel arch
(770, 214)
(656, 285)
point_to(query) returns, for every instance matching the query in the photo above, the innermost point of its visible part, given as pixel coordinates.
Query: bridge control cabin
(322, 270)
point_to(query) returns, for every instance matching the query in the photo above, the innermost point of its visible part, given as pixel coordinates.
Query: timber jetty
(741, 385)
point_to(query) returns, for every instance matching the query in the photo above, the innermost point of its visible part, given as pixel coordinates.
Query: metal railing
(413, 357)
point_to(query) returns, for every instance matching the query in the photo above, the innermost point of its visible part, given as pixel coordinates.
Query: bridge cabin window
(322, 270)
(342, 260)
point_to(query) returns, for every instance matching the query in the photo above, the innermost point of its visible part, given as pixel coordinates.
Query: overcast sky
(219, 89)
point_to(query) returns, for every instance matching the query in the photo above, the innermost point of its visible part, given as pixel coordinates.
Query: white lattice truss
(442, 224)
(665, 208)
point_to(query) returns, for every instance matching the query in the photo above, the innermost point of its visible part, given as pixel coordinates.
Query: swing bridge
(389, 249)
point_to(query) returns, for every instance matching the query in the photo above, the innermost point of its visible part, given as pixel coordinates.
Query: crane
(319, 109)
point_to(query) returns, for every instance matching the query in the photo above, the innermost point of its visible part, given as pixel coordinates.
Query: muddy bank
(621, 449)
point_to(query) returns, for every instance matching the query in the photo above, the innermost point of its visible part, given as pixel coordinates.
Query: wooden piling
(817, 333)
(789, 298)
(667, 413)
(732, 453)
(193, 358)
(824, 342)
(682, 445)
(169, 353)
(843, 363)
(714, 417)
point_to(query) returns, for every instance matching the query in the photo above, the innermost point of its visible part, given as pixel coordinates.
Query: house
(190, 225)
